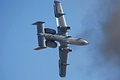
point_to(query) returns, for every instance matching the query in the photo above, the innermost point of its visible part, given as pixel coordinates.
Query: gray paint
(41, 39)
(47, 37)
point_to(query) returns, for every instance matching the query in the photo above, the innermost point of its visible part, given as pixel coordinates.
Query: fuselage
(65, 39)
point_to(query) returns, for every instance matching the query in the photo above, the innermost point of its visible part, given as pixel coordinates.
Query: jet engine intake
(50, 31)
(51, 44)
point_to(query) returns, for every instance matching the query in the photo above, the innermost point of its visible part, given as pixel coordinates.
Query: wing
(62, 30)
(60, 19)
(63, 55)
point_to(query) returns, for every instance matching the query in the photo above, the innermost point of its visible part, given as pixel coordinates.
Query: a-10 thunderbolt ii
(47, 37)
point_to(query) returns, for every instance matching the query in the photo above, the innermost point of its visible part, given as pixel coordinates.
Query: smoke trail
(102, 24)
(110, 47)
(111, 31)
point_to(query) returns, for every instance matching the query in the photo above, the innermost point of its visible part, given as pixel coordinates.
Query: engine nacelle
(51, 44)
(50, 31)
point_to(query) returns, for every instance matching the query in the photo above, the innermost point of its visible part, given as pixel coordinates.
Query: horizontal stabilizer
(41, 38)
(39, 48)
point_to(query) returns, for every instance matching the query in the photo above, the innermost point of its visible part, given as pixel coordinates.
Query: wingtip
(41, 22)
(56, 1)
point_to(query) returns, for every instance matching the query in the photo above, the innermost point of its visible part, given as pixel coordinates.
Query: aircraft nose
(85, 42)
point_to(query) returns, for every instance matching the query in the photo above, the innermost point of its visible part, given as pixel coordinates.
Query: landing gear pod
(41, 39)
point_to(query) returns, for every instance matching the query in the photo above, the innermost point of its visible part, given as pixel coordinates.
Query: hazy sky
(18, 60)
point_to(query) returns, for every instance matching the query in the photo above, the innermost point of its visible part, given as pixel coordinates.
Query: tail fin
(41, 39)
(39, 48)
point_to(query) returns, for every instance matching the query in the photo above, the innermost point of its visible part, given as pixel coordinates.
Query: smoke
(111, 31)
(102, 30)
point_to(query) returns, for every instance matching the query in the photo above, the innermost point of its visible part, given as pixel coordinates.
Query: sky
(96, 21)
